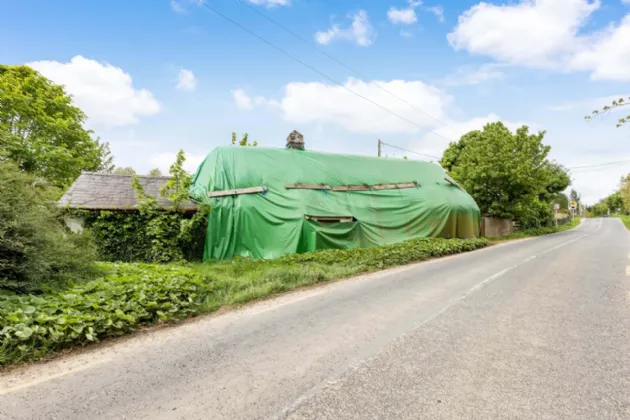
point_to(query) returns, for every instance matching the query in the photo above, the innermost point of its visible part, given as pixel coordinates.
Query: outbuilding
(269, 202)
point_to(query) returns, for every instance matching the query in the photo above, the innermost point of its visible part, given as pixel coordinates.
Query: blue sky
(155, 76)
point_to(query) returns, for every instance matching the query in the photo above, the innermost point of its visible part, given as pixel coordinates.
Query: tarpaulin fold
(274, 223)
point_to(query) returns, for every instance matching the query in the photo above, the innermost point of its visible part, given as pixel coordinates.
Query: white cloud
(186, 80)
(244, 102)
(178, 6)
(474, 76)
(555, 37)
(360, 31)
(435, 142)
(270, 3)
(407, 15)
(404, 15)
(315, 102)
(104, 92)
(499, 31)
(607, 53)
(625, 2)
(163, 161)
(438, 11)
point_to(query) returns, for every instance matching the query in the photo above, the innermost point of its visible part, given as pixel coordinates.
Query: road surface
(534, 329)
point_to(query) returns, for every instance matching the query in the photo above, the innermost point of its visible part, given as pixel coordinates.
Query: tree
(562, 200)
(119, 170)
(177, 187)
(615, 203)
(42, 131)
(599, 209)
(35, 247)
(609, 108)
(244, 141)
(624, 191)
(507, 174)
(155, 172)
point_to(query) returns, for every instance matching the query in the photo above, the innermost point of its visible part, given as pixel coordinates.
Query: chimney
(295, 140)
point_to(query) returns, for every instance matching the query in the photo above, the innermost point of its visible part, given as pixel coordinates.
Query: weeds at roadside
(133, 295)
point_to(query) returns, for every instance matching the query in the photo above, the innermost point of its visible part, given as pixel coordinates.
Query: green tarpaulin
(312, 215)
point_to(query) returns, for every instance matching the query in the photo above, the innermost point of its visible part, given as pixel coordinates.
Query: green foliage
(134, 294)
(599, 209)
(128, 296)
(575, 196)
(540, 231)
(389, 255)
(625, 220)
(119, 170)
(155, 172)
(561, 199)
(615, 203)
(35, 248)
(177, 187)
(621, 102)
(42, 131)
(507, 174)
(244, 141)
(624, 191)
(154, 234)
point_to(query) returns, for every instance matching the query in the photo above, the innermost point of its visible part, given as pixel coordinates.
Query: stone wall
(495, 226)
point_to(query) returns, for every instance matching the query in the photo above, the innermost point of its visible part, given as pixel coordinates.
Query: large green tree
(42, 131)
(508, 174)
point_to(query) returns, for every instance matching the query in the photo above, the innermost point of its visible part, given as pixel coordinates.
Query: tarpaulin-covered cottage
(270, 202)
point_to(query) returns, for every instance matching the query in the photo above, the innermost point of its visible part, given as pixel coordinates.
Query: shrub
(35, 248)
(154, 234)
(129, 295)
(390, 255)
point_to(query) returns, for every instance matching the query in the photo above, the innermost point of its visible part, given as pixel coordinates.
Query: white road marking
(354, 366)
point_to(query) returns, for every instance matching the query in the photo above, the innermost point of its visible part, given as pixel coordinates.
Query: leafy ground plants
(132, 295)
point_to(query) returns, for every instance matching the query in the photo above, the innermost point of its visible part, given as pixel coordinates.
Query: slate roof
(102, 191)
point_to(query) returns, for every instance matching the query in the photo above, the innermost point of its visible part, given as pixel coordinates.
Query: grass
(133, 295)
(129, 296)
(527, 233)
(625, 219)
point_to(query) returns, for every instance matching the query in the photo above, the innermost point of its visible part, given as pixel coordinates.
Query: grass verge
(625, 219)
(132, 295)
(527, 233)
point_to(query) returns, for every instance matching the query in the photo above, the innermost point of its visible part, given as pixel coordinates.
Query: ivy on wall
(153, 234)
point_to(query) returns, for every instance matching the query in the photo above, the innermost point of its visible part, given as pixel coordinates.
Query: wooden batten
(239, 191)
(453, 183)
(362, 187)
(307, 187)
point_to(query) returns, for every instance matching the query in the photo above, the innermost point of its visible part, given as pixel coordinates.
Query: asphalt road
(535, 329)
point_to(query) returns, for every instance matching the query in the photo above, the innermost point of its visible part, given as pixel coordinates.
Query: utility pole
(379, 147)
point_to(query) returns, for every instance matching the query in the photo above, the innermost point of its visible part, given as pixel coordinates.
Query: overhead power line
(619, 162)
(336, 60)
(410, 151)
(292, 57)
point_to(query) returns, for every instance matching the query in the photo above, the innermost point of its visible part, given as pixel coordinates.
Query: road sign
(573, 204)
(556, 207)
